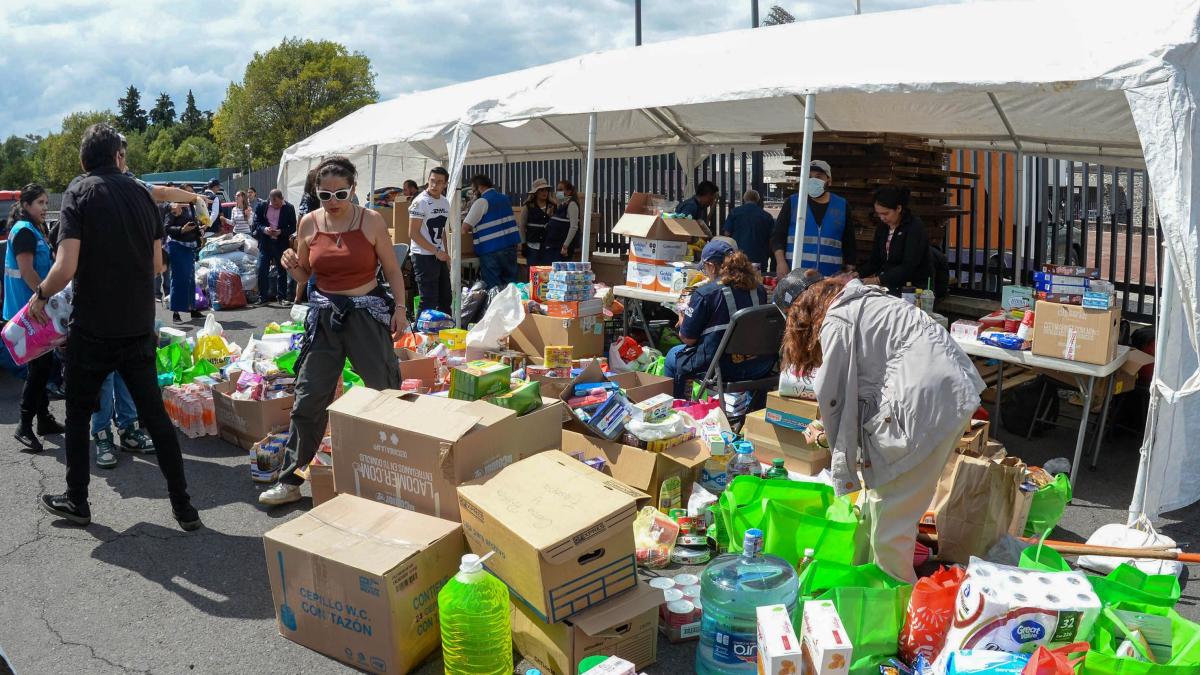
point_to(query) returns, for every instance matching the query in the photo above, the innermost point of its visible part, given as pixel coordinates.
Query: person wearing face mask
(491, 222)
(900, 254)
(564, 224)
(829, 244)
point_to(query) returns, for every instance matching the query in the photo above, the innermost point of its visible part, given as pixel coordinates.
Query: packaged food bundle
(476, 379)
(266, 457)
(660, 434)
(523, 398)
(557, 356)
(654, 537)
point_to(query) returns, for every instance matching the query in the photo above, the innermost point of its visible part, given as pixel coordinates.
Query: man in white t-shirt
(427, 216)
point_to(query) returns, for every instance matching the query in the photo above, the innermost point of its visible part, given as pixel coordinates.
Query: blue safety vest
(498, 229)
(16, 291)
(822, 241)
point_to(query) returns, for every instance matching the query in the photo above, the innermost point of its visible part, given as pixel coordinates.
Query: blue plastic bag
(984, 662)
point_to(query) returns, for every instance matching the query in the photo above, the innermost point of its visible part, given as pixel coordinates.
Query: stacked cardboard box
(657, 241)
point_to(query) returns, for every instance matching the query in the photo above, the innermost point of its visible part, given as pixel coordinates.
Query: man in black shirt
(109, 246)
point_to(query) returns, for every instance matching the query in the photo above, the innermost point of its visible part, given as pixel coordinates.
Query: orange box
(574, 309)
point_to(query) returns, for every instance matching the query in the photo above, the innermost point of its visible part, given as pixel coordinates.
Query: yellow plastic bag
(211, 348)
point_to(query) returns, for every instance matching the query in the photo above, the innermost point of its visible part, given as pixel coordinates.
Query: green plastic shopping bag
(199, 369)
(287, 361)
(1048, 505)
(870, 603)
(1129, 584)
(657, 367)
(350, 379)
(1112, 629)
(793, 515)
(173, 358)
(1043, 558)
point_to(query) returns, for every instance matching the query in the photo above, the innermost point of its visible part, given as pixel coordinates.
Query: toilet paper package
(1009, 609)
(27, 340)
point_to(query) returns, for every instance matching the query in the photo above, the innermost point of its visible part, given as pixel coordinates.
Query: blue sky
(62, 56)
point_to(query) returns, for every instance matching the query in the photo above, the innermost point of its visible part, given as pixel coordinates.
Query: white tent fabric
(1095, 80)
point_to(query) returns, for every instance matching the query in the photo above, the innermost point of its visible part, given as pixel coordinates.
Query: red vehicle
(7, 199)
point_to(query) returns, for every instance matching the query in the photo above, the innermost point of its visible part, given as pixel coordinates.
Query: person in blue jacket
(829, 245)
(495, 233)
(27, 261)
(697, 206)
(734, 284)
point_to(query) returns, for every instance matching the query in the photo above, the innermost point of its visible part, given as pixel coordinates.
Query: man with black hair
(110, 238)
(496, 235)
(274, 224)
(427, 230)
(698, 205)
(410, 189)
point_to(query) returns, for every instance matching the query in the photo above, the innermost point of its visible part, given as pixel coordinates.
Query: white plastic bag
(1139, 535)
(796, 385)
(299, 313)
(672, 426)
(211, 327)
(615, 363)
(502, 317)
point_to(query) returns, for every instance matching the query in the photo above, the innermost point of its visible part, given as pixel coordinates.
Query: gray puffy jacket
(893, 384)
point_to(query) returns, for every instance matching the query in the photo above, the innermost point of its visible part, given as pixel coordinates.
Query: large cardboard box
(412, 451)
(414, 366)
(642, 219)
(586, 335)
(358, 581)
(625, 626)
(243, 423)
(320, 481)
(562, 532)
(1075, 333)
(771, 441)
(793, 413)
(650, 472)
(641, 386)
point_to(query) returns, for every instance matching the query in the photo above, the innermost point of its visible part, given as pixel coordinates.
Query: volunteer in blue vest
(829, 244)
(495, 234)
(697, 206)
(564, 225)
(751, 227)
(26, 262)
(733, 284)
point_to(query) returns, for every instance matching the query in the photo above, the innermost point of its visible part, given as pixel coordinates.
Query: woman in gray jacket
(895, 393)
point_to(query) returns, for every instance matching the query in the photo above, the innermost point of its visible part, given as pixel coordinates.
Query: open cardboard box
(666, 476)
(414, 366)
(585, 335)
(641, 386)
(358, 581)
(625, 626)
(244, 423)
(562, 533)
(771, 441)
(642, 219)
(412, 451)
(1125, 379)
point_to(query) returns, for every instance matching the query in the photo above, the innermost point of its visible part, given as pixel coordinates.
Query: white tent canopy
(1095, 80)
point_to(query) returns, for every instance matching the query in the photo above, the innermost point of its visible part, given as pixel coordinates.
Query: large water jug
(476, 628)
(732, 588)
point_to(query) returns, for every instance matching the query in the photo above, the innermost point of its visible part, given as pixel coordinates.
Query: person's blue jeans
(271, 269)
(113, 391)
(669, 360)
(498, 268)
(183, 276)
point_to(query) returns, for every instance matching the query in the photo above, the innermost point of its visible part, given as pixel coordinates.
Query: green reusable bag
(287, 361)
(350, 379)
(870, 603)
(658, 367)
(200, 369)
(173, 358)
(1129, 584)
(1048, 505)
(1043, 558)
(793, 516)
(1110, 632)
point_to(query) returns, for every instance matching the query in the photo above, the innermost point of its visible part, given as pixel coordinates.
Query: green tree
(17, 165)
(136, 153)
(58, 155)
(287, 94)
(196, 152)
(160, 152)
(192, 119)
(163, 112)
(130, 116)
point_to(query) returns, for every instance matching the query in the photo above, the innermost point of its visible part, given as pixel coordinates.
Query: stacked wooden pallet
(863, 162)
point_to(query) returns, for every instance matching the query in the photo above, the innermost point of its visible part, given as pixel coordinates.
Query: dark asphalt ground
(132, 593)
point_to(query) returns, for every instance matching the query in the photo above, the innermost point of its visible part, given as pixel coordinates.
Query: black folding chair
(753, 331)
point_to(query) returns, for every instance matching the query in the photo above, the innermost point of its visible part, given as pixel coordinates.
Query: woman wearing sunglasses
(350, 317)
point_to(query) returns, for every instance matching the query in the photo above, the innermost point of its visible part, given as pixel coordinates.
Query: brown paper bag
(982, 504)
(942, 490)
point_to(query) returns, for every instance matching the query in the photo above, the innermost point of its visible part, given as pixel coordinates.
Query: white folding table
(634, 312)
(1085, 375)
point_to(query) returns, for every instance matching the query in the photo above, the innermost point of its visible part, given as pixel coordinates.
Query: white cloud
(65, 56)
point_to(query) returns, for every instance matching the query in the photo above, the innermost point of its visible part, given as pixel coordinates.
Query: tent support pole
(810, 113)
(1020, 222)
(1137, 505)
(588, 183)
(374, 162)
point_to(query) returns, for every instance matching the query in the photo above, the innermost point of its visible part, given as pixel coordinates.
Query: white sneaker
(280, 493)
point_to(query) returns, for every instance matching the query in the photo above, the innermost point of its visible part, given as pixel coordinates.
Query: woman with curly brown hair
(734, 285)
(895, 393)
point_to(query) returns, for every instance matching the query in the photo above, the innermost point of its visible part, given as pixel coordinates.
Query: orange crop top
(342, 260)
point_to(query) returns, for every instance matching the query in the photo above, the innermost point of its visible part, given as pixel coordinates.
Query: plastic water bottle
(476, 628)
(731, 589)
(743, 463)
(777, 470)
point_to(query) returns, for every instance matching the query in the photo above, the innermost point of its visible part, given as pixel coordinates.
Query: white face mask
(560, 196)
(815, 187)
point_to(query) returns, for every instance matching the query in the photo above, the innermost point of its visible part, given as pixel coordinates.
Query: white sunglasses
(340, 195)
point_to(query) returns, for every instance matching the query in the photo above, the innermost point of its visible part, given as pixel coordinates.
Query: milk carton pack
(825, 643)
(1009, 609)
(779, 650)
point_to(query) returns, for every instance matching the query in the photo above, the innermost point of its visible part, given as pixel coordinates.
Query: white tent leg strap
(458, 141)
(589, 182)
(810, 112)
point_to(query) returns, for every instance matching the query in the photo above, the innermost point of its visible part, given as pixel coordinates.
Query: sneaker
(106, 456)
(61, 506)
(280, 493)
(187, 517)
(48, 426)
(135, 439)
(175, 317)
(197, 315)
(25, 436)
(286, 304)
(56, 392)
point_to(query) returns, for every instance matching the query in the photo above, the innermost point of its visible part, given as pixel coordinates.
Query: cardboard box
(586, 335)
(1016, 297)
(574, 309)
(662, 475)
(625, 626)
(1075, 333)
(358, 581)
(778, 647)
(641, 386)
(771, 441)
(412, 451)
(974, 441)
(243, 423)
(320, 481)
(562, 532)
(642, 219)
(792, 413)
(826, 643)
(414, 366)
(474, 380)
(1124, 380)
(657, 251)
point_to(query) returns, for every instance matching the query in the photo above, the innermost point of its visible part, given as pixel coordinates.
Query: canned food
(690, 556)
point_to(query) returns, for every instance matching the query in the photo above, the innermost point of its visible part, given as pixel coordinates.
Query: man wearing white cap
(828, 239)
